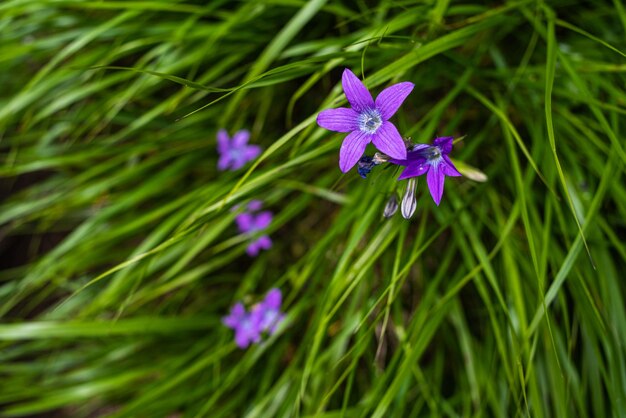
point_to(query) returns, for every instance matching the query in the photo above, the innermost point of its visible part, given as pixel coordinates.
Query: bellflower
(269, 312)
(263, 317)
(251, 223)
(432, 160)
(245, 324)
(235, 153)
(367, 120)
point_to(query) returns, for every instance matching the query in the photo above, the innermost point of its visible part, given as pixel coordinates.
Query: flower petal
(444, 143)
(253, 249)
(262, 220)
(264, 242)
(414, 169)
(352, 149)
(357, 94)
(245, 222)
(223, 143)
(273, 299)
(237, 313)
(390, 99)
(448, 168)
(255, 204)
(435, 180)
(237, 162)
(240, 139)
(342, 119)
(251, 152)
(388, 140)
(223, 163)
(242, 337)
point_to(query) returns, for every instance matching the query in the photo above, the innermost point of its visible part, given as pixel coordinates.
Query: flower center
(431, 153)
(235, 153)
(370, 120)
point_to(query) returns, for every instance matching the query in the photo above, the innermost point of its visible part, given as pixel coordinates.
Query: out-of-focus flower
(269, 311)
(251, 223)
(245, 324)
(235, 152)
(263, 317)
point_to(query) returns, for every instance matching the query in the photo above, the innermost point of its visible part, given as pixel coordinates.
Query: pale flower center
(370, 120)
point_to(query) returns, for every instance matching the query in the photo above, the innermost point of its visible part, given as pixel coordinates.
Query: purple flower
(432, 159)
(246, 325)
(263, 317)
(251, 223)
(235, 153)
(367, 120)
(269, 312)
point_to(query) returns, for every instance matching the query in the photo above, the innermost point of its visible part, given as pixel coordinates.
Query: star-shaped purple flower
(269, 311)
(246, 325)
(432, 159)
(235, 153)
(263, 317)
(251, 223)
(367, 120)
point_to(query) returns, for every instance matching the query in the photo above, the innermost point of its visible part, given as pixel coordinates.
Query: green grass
(120, 254)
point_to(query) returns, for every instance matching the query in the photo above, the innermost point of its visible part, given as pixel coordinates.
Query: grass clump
(121, 255)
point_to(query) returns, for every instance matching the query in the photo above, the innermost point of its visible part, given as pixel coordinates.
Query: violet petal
(357, 94)
(444, 143)
(242, 338)
(388, 140)
(273, 299)
(253, 249)
(255, 204)
(262, 220)
(435, 180)
(352, 149)
(414, 169)
(448, 167)
(264, 242)
(240, 139)
(390, 99)
(223, 143)
(245, 222)
(342, 119)
(224, 162)
(251, 152)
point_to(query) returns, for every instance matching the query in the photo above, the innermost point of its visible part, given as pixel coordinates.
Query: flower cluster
(251, 224)
(368, 121)
(265, 316)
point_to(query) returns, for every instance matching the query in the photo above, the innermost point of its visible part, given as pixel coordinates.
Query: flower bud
(391, 207)
(409, 202)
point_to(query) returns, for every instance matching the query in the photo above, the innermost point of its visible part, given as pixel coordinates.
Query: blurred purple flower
(251, 223)
(269, 311)
(235, 153)
(432, 159)
(263, 317)
(367, 120)
(246, 325)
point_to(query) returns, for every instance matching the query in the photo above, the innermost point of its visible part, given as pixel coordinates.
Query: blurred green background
(119, 249)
